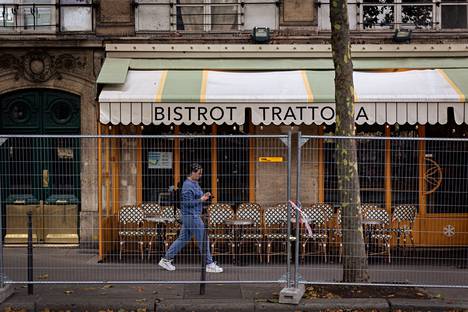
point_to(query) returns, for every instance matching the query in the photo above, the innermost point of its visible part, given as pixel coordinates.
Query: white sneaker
(213, 268)
(166, 264)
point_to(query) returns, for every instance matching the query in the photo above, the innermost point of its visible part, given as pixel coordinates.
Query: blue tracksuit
(192, 225)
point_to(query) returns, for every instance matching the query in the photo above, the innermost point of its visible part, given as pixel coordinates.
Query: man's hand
(205, 196)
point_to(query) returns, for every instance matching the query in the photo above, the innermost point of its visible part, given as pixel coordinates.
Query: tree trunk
(354, 254)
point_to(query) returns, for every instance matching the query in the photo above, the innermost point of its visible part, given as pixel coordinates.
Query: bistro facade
(397, 94)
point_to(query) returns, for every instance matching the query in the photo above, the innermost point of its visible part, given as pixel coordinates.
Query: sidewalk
(71, 264)
(246, 297)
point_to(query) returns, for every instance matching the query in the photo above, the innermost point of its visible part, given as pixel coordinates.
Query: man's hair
(195, 167)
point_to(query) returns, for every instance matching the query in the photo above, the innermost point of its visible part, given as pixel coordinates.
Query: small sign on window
(159, 160)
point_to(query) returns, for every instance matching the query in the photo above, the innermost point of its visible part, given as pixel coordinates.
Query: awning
(282, 97)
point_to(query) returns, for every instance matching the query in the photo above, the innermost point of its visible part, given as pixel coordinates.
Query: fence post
(30, 254)
(2, 269)
(289, 212)
(298, 194)
(290, 294)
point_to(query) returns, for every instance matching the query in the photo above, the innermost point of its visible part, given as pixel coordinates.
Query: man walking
(191, 207)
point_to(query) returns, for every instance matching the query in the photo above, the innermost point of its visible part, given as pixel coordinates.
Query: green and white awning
(282, 97)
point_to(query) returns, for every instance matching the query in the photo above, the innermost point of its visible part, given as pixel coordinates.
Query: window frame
(55, 26)
(207, 17)
(398, 17)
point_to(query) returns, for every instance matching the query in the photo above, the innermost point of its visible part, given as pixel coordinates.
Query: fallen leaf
(140, 300)
(273, 300)
(420, 294)
(89, 288)
(43, 276)
(391, 296)
(139, 289)
(68, 292)
(107, 286)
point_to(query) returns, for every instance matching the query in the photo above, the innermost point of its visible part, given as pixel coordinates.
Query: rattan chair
(150, 209)
(404, 216)
(218, 232)
(379, 234)
(318, 216)
(253, 234)
(131, 228)
(276, 229)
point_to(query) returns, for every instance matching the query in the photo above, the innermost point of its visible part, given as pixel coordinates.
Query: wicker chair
(130, 228)
(150, 209)
(251, 211)
(379, 233)
(275, 229)
(318, 216)
(404, 216)
(217, 230)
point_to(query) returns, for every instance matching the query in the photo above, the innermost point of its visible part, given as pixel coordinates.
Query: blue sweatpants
(191, 226)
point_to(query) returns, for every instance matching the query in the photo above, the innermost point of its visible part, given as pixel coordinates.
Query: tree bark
(354, 254)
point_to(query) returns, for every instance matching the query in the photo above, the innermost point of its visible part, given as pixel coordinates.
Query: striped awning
(283, 97)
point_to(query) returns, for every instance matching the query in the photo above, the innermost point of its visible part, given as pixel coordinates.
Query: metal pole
(288, 274)
(203, 254)
(30, 254)
(298, 192)
(2, 269)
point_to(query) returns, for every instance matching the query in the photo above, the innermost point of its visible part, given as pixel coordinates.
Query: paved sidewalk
(246, 297)
(71, 264)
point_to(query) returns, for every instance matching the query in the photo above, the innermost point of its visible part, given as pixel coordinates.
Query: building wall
(299, 22)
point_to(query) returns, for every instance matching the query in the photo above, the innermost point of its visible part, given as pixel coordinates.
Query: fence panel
(105, 209)
(413, 202)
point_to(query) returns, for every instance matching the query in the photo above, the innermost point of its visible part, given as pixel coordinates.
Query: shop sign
(270, 159)
(159, 160)
(209, 113)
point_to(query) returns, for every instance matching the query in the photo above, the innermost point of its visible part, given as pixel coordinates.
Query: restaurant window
(232, 165)
(371, 165)
(41, 16)
(446, 161)
(158, 173)
(405, 165)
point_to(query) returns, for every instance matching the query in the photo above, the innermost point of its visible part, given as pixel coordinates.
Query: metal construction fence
(106, 209)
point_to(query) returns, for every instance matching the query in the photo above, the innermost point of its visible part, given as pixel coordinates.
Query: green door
(34, 169)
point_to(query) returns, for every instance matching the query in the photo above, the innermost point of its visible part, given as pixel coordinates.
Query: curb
(428, 304)
(203, 305)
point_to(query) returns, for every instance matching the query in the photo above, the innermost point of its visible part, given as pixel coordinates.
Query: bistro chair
(318, 216)
(379, 233)
(253, 234)
(404, 216)
(164, 232)
(150, 209)
(276, 229)
(367, 206)
(218, 232)
(130, 228)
